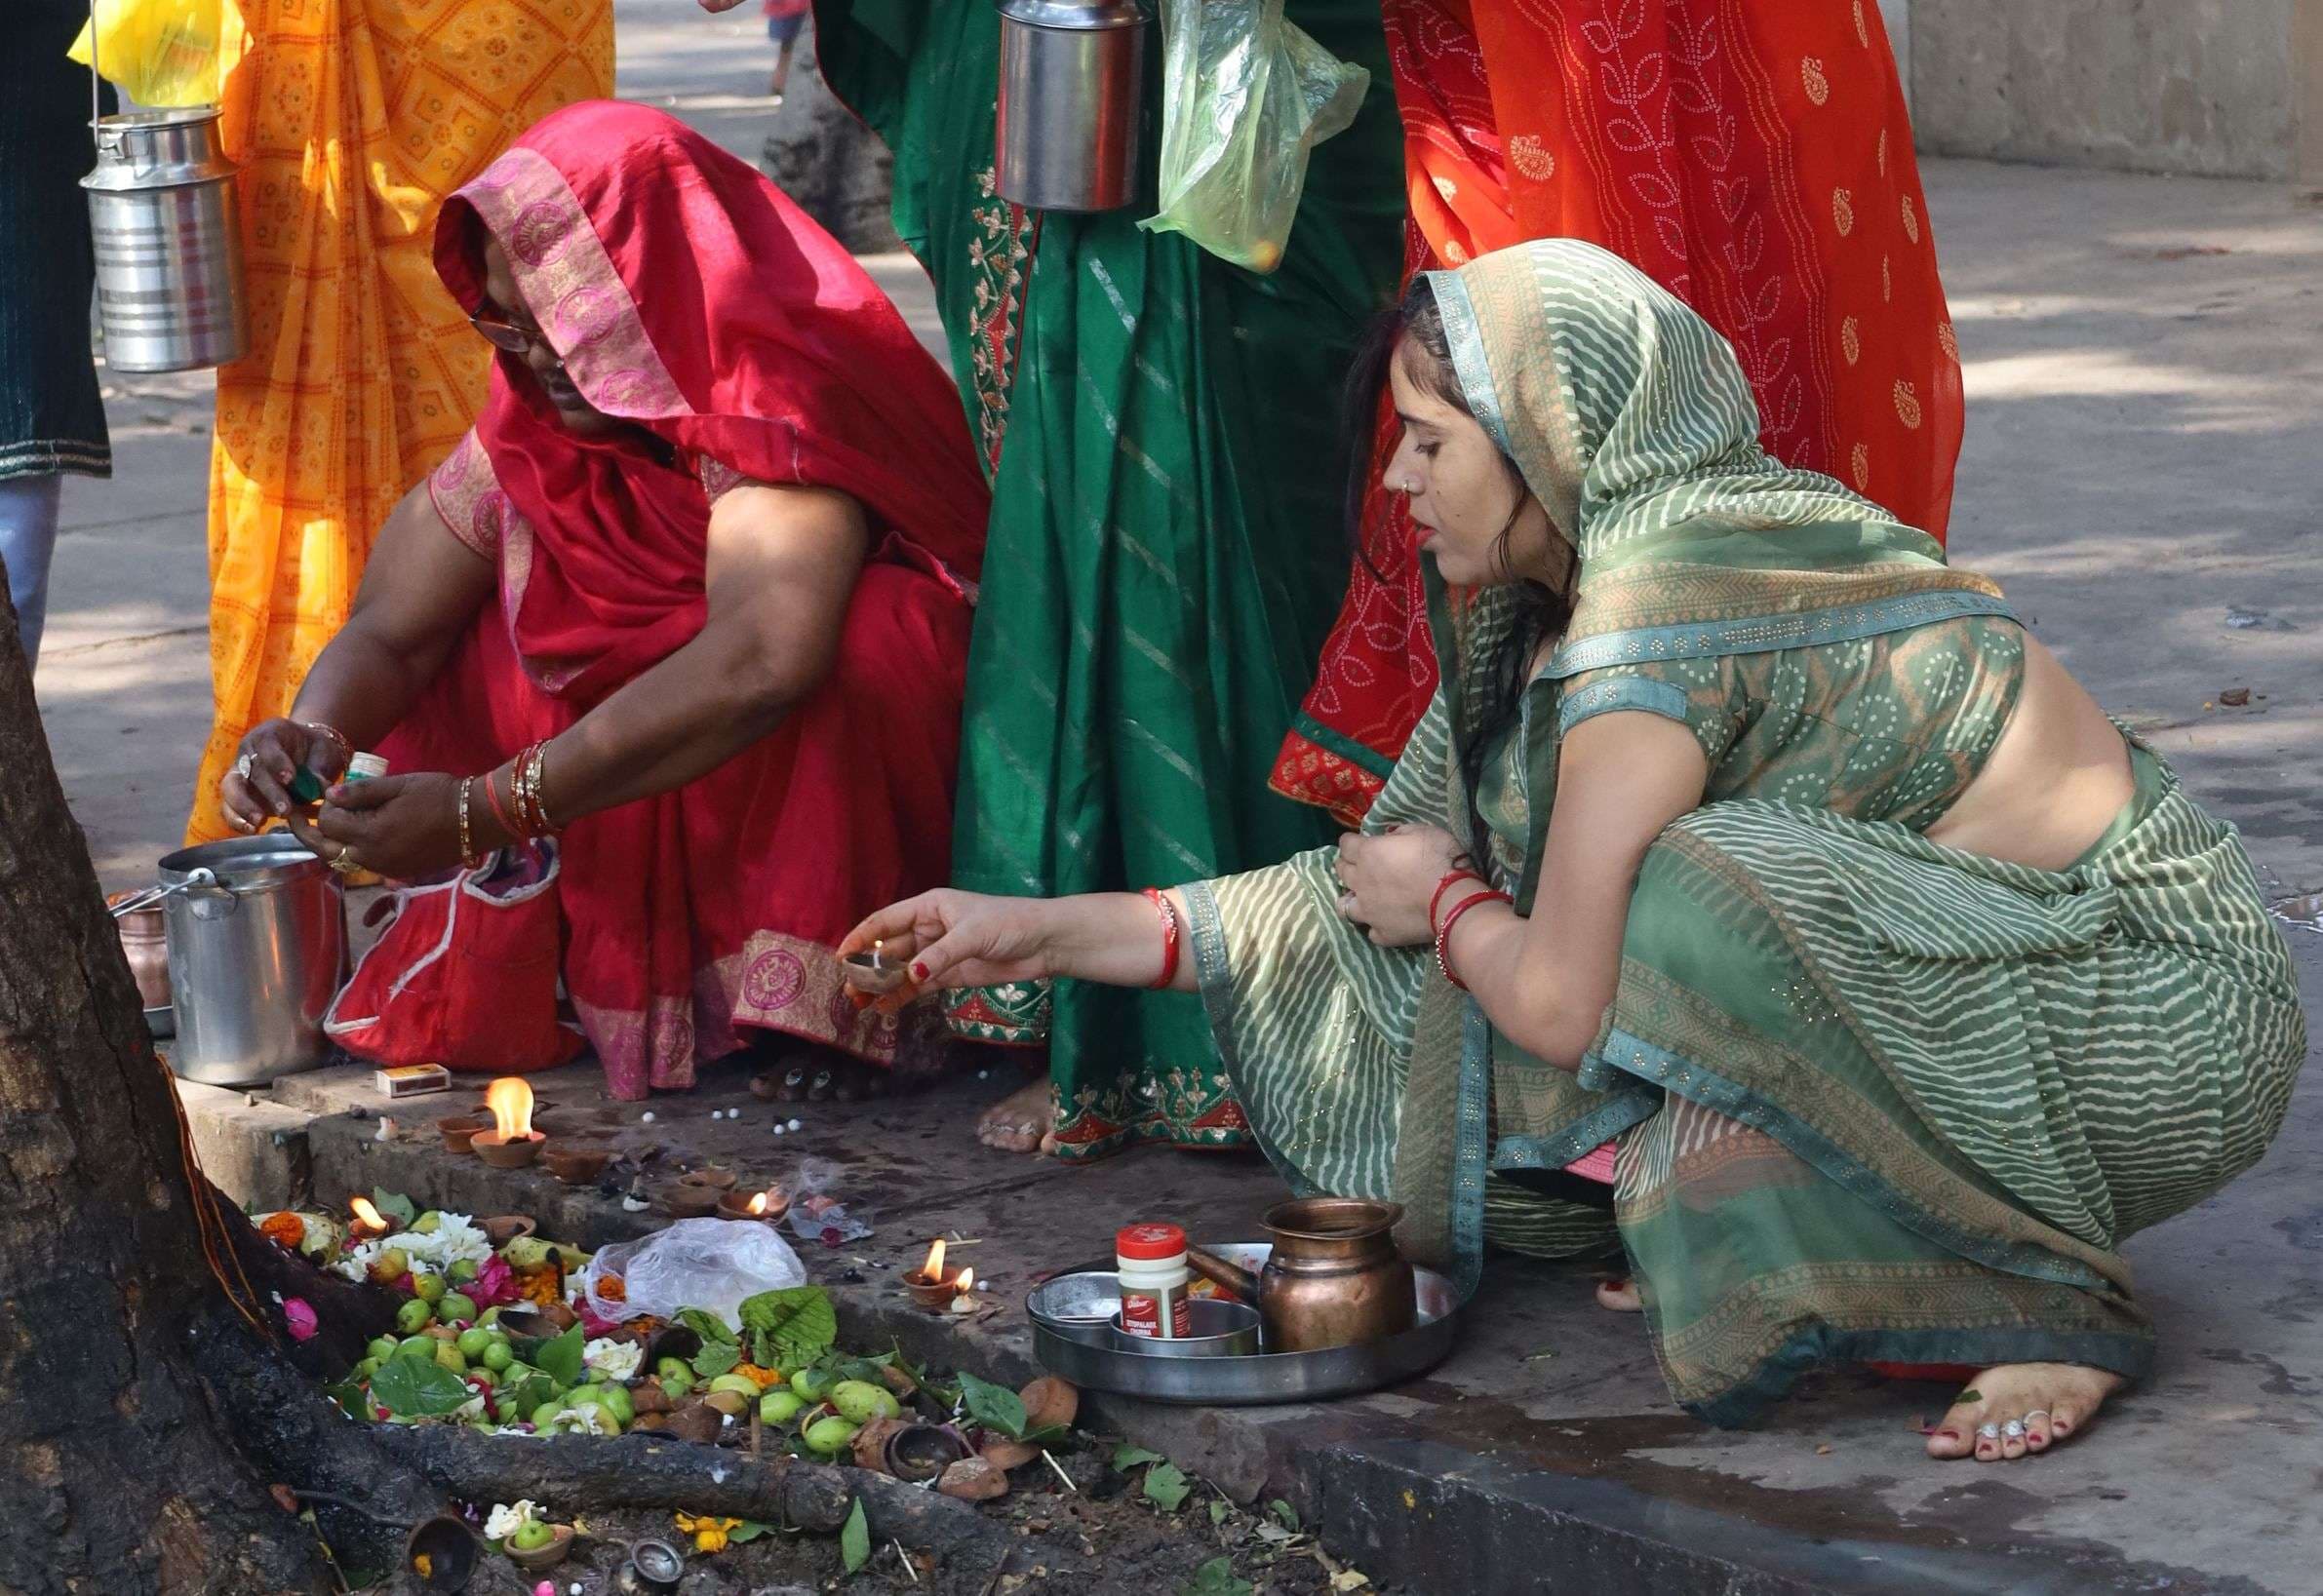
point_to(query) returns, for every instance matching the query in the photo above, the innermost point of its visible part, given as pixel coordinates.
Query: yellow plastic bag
(160, 52)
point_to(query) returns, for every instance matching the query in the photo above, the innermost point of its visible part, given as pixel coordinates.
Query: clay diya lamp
(930, 1286)
(502, 1228)
(871, 972)
(766, 1206)
(918, 1452)
(682, 1200)
(540, 1559)
(449, 1549)
(576, 1163)
(458, 1130)
(512, 1143)
(671, 1341)
(655, 1567)
(712, 1178)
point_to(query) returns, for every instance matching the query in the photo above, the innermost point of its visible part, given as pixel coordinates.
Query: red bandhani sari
(690, 297)
(1757, 161)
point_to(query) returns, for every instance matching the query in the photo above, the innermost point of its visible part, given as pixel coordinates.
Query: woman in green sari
(1158, 586)
(1904, 983)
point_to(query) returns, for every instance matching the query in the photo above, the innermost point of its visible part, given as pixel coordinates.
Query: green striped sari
(1876, 1099)
(1166, 554)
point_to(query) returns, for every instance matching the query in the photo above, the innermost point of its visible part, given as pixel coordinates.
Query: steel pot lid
(137, 151)
(242, 863)
(1082, 16)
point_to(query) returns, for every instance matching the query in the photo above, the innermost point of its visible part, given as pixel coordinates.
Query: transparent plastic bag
(709, 1264)
(160, 52)
(1245, 98)
(819, 1214)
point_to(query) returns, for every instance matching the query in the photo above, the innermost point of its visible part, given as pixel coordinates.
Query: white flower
(454, 1237)
(614, 1360)
(507, 1518)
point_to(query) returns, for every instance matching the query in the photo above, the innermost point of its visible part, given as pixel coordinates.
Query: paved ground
(2142, 357)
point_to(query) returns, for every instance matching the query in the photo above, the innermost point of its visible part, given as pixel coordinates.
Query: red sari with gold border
(690, 298)
(1757, 161)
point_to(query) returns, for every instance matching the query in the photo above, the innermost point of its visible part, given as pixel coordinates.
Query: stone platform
(1545, 1454)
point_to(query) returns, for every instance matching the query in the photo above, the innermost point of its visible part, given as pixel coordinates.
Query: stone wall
(2216, 88)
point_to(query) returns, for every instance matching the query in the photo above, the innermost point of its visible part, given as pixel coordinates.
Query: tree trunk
(120, 1468)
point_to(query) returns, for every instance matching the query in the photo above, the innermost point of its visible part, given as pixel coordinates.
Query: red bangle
(491, 796)
(1444, 938)
(1169, 936)
(1462, 874)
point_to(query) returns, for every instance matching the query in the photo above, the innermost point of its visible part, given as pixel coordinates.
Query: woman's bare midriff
(2054, 782)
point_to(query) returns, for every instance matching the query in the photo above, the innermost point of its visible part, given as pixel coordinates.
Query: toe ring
(1989, 1432)
(2014, 1430)
(2037, 1413)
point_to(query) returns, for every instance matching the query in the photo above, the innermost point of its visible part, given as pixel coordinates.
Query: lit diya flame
(966, 1286)
(758, 1205)
(934, 1270)
(369, 1221)
(511, 1102)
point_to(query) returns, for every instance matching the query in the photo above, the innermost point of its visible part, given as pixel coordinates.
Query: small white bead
(647, 1116)
(778, 1130)
(794, 1124)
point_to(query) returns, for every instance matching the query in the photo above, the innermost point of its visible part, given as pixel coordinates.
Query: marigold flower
(284, 1228)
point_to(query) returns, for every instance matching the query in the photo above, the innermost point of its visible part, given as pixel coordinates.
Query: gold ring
(344, 862)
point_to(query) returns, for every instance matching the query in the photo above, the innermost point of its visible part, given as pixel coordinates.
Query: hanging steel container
(169, 250)
(1071, 101)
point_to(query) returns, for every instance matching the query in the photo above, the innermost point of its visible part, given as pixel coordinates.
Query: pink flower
(301, 1319)
(495, 1285)
(591, 1325)
(546, 1587)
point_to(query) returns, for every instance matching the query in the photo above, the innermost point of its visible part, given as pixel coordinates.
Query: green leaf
(709, 1327)
(559, 1357)
(749, 1530)
(717, 1358)
(350, 1399)
(1219, 1513)
(794, 1325)
(1126, 1457)
(1216, 1577)
(995, 1407)
(417, 1387)
(1284, 1514)
(536, 1390)
(395, 1205)
(1167, 1487)
(855, 1540)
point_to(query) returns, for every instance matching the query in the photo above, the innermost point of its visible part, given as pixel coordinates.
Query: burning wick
(369, 1221)
(758, 1205)
(966, 1285)
(511, 1101)
(934, 1270)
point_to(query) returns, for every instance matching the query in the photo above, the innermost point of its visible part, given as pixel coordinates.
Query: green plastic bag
(160, 52)
(1245, 98)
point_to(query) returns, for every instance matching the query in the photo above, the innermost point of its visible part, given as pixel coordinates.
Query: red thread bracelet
(1444, 938)
(1169, 936)
(491, 796)
(1461, 873)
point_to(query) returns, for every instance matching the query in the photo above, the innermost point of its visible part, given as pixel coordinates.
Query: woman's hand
(401, 827)
(959, 939)
(258, 789)
(1390, 879)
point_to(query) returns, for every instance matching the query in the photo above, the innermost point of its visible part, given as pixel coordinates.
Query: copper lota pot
(1333, 1278)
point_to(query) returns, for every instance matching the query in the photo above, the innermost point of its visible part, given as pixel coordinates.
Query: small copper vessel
(512, 1153)
(459, 1130)
(1333, 1279)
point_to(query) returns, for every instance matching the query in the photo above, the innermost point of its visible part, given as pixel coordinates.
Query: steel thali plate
(1073, 1339)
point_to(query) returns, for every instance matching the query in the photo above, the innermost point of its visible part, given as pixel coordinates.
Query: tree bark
(120, 1471)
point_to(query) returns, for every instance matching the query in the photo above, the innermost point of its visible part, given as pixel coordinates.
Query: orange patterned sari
(1756, 160)
(352, 120)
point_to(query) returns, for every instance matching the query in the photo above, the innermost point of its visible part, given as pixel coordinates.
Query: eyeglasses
(508, 335)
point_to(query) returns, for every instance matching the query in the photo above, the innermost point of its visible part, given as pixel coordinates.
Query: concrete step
(253, 1147)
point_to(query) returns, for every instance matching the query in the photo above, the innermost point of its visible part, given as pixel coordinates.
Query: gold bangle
(548, 826)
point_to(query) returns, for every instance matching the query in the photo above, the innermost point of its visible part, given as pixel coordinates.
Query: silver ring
(1989, 1432)
(245, 764)
(2014, 1430)
(2037, 1413)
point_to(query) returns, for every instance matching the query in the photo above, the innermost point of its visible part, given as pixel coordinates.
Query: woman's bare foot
(1620, 1294)
(2046, 1402)
(1023, 1121)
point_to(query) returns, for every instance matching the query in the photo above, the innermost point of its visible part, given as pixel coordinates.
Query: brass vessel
(1333, 1278)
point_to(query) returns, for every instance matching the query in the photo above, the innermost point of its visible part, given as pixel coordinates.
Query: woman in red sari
(694, 594)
